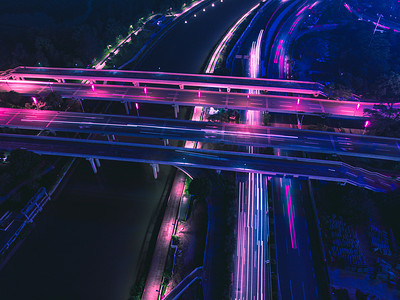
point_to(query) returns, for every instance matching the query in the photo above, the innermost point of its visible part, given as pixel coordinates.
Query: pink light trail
(303, 9)
(290, 216)
(277, 51)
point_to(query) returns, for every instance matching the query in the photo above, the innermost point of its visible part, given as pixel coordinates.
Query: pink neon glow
(395, 30)
(290, 216)
(291, 211)
(199, 94)
(294, 25)
(248, 96)
(367, 123)
(347, 7)
(137, 105)
(34, 100)
(92, 86)
(358, 106)
(315, 3)
(277, 51)
(145, 90)
(380, 25)
(303, 9)
(298, 101)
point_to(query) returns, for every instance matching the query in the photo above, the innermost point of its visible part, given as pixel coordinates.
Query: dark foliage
(200, 187)
(70, 33)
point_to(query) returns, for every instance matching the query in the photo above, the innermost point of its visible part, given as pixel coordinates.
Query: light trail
(290, 216)
(217, 53)
(252, 233)
(277, 51)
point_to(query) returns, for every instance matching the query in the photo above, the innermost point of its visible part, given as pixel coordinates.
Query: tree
(388, 88)
(200, 187)
(266, 118)
(23, 163)
(55, 102)
(384, 120)
(12, 99)
(175, 239)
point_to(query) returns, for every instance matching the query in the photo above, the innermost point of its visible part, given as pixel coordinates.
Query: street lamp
(299, 120)
(35, 102)
(137, 108)
(366, 124)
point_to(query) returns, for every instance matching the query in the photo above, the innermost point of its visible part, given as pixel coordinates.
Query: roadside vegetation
(52, 101)
(350, 60)
(360, 230)
(221, 66)
(71, 33)
(22, 173)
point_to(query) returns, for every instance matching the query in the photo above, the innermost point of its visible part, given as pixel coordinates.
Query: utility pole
(376, 26)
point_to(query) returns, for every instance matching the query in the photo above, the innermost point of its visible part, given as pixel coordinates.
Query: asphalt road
(295, 264)
(237, 134)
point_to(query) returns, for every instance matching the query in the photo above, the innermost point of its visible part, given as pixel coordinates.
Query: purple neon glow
(137, 105)
(92, 86)
(145, 90)
(277, 51)
(272, 17)
(34, 100)
(298, 101)
(303, 9)
(367, 123)
(358, 106)
(281, 66)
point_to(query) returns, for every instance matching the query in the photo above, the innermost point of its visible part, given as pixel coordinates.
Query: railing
(34, 206)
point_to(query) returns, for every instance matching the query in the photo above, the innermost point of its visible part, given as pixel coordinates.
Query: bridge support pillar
(81, 103)
(126, 108)
(156, 169)
(166, 142)
(97, 161)
(176, 110)
(130, 105)
(91, 160)
(111, 138)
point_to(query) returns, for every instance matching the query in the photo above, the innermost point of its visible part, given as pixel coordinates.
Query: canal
(87, 243)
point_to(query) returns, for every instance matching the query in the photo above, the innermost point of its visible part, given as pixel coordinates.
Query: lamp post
(35, 102)
(137, 108)
(366, 124)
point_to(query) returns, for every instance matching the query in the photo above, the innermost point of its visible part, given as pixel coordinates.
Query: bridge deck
(236, 134)
(195, 80)
(209, 159)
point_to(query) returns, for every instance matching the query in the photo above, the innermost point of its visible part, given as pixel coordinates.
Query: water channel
(86, 244)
